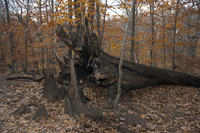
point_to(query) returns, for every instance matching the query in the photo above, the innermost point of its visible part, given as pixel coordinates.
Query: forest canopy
(166, 32)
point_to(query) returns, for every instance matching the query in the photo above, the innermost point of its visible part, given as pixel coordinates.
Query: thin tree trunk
(52, 8)
(40, 34)
(136, 15)
(26, 63)
(152, 52)
(26, 40)
(98, 21)
(77, 17)
(83, 9)
(174, 39)
(91, 11)
(121, 59)
(133, 34)
(70, 25)
(10, 36)
(163, 35)
(104, 18)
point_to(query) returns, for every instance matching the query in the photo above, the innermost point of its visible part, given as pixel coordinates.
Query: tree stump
(75, 99)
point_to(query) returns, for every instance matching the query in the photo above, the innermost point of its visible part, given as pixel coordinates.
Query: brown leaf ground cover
(151, 109)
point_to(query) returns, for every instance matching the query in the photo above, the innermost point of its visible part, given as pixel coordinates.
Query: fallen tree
(96, 67)
(30, 75)
(102, 68)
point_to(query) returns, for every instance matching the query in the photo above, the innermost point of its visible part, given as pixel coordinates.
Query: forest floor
(150, 109)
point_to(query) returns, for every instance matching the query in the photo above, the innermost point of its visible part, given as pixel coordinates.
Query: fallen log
(26, 77)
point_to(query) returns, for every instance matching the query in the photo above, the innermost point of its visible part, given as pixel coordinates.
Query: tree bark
(91, 11)
(174, 38)
(70, 24)
(51, 91)
(104, 19)
(152, 52)
(10, 36)
(26, 40)
(133, 34)
(163, 36)
(98, 21)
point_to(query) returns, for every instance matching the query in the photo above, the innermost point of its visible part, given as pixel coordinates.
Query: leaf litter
(151, 109)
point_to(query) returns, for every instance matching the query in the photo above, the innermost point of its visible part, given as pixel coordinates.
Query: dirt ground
(150, 109)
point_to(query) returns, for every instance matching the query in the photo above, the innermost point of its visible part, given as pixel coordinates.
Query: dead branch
(26, 77)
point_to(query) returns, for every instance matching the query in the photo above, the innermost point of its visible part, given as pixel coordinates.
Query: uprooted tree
(96, 67)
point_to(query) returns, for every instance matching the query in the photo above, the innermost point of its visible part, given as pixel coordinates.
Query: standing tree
(122, 56)
(91, 11)
(133, 33)
(26, 34)
(152, 52)
(104, 18)
(174, 35)
(163, 19)
(10, 36)
(70, 23)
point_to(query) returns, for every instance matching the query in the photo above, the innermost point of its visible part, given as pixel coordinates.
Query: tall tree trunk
(40, 34)
(26, 41)
(10, 36)
(121, 58)
(174, 38)
(52, 9)
(163, 36)
(26, 34)
(77, 13)
(136, 15)
(77, 17)
(133, 33)
(104, 19)
(98, 21)
(91, 11)
(152, 52)
(70, 24)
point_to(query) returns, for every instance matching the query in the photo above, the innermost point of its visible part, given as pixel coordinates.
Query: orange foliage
(41, 36)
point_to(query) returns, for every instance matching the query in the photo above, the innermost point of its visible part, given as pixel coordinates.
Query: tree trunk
(121, 59)
(51, 91)
(98, 21)
(10, 36)
(152, 52)
(70, 24)
(174, 38)
(133, 34)
(104, 19)
(91, 11)
(163, 19)
(26, 40)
